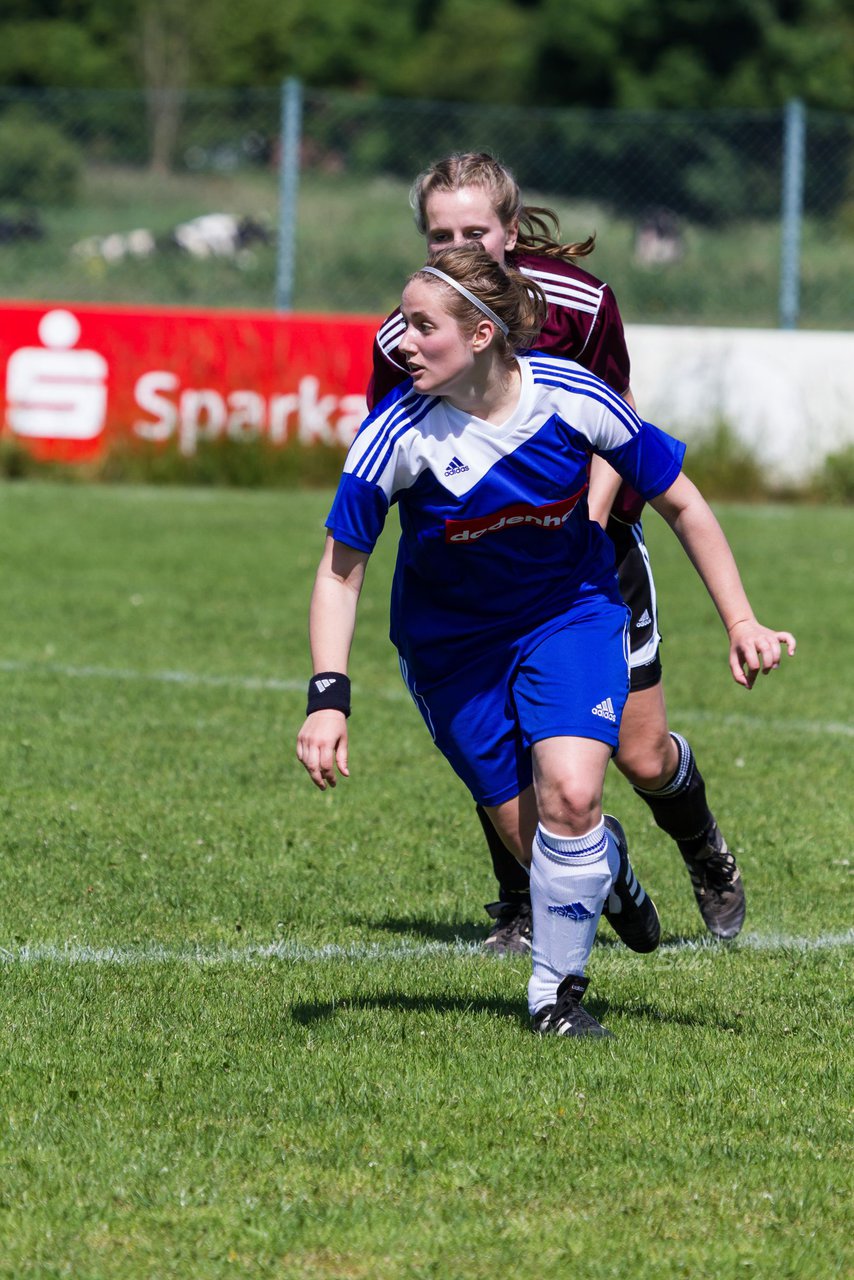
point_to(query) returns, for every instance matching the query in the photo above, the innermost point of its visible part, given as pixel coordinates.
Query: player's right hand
(754, 648)
(322, 745)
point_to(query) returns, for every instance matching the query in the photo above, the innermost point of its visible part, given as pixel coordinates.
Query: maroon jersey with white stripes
(583, 324)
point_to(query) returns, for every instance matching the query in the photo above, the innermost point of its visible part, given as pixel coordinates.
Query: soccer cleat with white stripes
(629, 910)
(567, 1017)
(513, 929)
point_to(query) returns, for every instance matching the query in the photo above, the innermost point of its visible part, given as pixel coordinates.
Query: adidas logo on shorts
(644, 620)
(605, 709)
(455, 468)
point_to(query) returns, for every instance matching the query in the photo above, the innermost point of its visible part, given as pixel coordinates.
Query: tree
(614, 53)
(696, 53)
(473, 51)
(162, 50)
(39, 53)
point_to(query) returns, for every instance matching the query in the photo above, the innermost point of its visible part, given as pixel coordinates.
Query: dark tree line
(544, 53)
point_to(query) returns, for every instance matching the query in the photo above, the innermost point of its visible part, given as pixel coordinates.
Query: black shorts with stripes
(637, 587)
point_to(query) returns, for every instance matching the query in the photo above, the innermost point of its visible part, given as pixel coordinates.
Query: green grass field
(246, 1029)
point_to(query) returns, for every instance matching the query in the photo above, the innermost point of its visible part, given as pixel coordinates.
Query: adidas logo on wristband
(328, 691)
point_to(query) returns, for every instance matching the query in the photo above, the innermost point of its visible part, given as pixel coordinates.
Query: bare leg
(648, 756)
(515, 821)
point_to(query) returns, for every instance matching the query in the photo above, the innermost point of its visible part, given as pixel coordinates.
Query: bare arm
(322, 740)
(604, 480)
(753, 647)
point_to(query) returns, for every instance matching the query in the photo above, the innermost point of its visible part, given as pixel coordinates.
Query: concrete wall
(788, 396)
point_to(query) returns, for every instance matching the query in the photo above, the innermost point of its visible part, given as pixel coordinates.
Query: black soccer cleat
(717, 885)
(629, 909)
(567, 1016)
(513, 929)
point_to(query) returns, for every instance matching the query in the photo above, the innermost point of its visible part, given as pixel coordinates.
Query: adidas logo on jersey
(644, 620)
(572, 911)
(320, 685)
(455, 468)
(605, 709)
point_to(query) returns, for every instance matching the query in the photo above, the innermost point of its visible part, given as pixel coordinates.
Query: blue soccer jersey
(496, 539)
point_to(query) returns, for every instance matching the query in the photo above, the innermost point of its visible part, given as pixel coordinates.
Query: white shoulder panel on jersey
(563, 292)
(585, 402)
(419, 434)
(383, 451)
(389, 335)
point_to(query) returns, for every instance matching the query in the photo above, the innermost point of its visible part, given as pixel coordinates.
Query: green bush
(16, 462)
(719, 464)
(234, 464)
(39, 165)
(227, 463)
(835, 480)
(723, 467)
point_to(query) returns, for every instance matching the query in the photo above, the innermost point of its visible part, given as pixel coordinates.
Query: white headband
(476, 302)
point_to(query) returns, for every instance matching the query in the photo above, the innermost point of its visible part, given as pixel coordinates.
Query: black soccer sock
(680, 807)
(514, 883)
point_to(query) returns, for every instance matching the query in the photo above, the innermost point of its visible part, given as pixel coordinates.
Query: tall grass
(356, 244)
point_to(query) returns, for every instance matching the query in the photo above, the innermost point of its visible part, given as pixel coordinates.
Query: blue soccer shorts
(569, 678)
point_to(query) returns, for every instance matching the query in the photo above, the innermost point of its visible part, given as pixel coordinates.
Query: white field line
(190, 678)
(72, 953)
(193, 679)
(832, 728)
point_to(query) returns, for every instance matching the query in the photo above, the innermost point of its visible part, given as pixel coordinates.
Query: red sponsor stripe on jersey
(552, 516)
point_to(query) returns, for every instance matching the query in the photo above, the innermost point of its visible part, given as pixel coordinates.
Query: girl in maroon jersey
(471, 197)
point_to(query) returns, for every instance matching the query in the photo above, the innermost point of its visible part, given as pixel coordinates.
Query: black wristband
(328, 691)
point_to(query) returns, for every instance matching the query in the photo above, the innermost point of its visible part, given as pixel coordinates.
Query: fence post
(289, 149)
(794, 146)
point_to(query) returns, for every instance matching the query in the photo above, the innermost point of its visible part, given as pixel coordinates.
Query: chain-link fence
(725, 217)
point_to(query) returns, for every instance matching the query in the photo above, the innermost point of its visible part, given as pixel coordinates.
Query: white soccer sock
(570, 882)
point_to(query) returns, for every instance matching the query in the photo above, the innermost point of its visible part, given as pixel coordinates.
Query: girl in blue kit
(505, 607)
(471, 197)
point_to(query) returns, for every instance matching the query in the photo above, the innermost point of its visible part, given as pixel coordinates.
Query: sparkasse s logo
(57, 391)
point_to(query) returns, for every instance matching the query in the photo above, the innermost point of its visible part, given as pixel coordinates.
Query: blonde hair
(517, 302)
(539, 228)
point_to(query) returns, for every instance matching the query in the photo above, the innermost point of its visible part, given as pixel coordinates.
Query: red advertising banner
(74, 377)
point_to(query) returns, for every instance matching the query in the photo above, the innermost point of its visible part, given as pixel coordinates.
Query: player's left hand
(754, 649)
(322, 745)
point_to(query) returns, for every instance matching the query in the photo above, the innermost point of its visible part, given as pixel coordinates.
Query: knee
(570, 809)
(648, 760)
